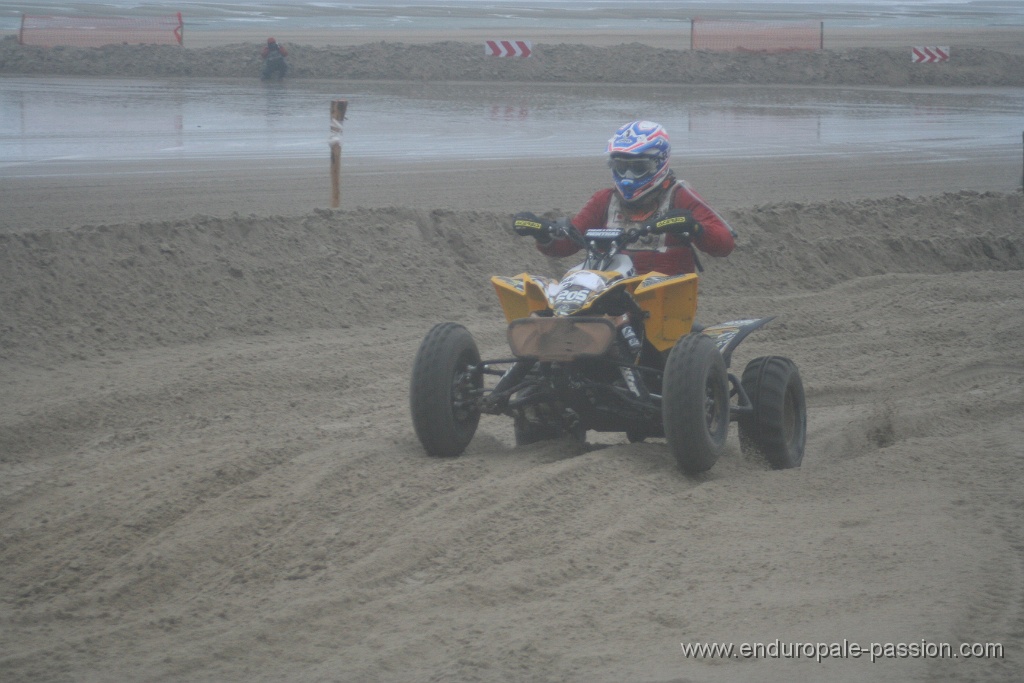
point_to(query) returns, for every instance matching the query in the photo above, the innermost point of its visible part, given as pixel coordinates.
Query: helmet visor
(633, 167)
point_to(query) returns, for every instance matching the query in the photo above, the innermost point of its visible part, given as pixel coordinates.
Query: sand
(208, 471)
(464, 61)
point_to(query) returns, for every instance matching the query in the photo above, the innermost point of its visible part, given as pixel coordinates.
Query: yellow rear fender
(670, 302)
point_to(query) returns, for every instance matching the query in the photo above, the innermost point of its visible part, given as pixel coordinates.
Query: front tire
(695, 403)
(777, 429)
(442, 389)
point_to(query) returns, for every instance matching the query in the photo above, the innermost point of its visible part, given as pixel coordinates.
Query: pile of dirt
(99, 289)
(566, 63)
(105, 288)
(205, 444)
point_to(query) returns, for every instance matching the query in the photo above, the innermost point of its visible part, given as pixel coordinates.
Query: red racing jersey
(667, 253)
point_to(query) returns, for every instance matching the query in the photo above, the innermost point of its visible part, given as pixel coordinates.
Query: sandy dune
(208, 470)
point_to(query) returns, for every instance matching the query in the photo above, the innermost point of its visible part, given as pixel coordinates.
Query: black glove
(526, 223)
(679, 222)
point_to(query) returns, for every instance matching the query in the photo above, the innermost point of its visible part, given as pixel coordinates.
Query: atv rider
(273, 60)
(646, 193)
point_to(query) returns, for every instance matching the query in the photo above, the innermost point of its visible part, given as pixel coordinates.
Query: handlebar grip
(564, 229)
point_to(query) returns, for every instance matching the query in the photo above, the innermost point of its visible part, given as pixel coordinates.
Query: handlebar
(617, 239)
(613, 239)
(620, 238)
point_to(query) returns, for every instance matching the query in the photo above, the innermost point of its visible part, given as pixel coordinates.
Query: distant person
(646, 191)
(273, 60)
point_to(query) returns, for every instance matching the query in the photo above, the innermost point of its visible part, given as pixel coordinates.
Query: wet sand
(65, 195)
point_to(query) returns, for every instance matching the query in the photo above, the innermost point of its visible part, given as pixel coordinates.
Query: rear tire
(695, 403)
(777, 429)
(442, 388)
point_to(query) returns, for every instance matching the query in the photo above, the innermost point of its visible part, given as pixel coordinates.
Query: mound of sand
(102, 288)
(208, 471)
(567, 63)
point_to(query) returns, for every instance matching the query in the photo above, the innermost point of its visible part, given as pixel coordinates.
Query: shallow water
(45, 119)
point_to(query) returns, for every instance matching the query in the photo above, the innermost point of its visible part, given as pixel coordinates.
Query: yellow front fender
(520, 295)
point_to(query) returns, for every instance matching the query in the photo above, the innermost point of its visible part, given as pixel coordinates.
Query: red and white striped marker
(928, 55)
(508, 48)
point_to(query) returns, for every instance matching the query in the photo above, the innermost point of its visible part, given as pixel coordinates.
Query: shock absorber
(634, 345)
(632, 340)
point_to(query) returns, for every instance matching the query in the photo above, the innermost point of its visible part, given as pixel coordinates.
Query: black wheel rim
(464, 384)
(712, 404)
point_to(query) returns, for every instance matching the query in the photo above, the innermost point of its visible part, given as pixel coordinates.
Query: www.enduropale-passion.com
(842, 650)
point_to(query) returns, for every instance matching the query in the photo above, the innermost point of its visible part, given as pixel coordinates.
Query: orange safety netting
(50, 31)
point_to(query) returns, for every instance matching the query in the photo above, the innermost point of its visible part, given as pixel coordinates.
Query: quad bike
(607, 350)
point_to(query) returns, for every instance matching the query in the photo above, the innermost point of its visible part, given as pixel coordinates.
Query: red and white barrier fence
(508, 48)
(929, 55)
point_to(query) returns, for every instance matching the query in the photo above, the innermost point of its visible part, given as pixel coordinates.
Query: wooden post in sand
(338, 108)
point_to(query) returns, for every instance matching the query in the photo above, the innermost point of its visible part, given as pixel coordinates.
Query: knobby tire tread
(693, 358)
(443, 349)
(766, 381)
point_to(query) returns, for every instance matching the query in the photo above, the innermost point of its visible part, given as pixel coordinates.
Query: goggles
(633, 167)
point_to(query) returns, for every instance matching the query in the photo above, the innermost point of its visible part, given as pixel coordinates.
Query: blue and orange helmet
(638, 156)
